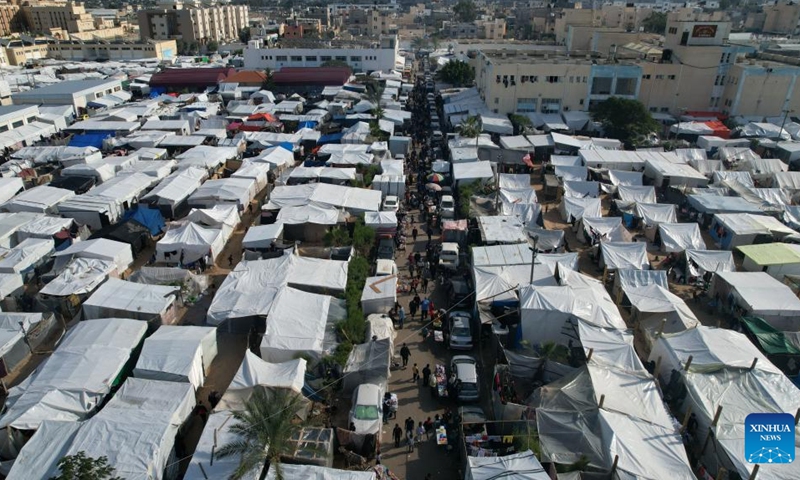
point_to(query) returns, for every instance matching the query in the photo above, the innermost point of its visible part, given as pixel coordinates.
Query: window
(626, 86)
(497, 79)
(671, 77)
(16, 124)
(311, 58)
(355, 59)
(553, 79)
(281, 58)
(117, 88)
(664, 109)
(571, 79)
(526, 105)
(3, 128)
(341, 58)
(297, 58)
(646, 77)
(583, 80)
(496, 100)
(653, 109)
(673, 30)
(324, 58)
(551, 105)
(659, 77)
(601, 86)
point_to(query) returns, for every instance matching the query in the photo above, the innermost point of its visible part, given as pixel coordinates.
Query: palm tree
(551, 351)
(378, 112)
(471, 128)
(264, 430)
(418, 43)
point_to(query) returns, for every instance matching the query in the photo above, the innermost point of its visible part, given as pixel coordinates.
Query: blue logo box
(769, 438)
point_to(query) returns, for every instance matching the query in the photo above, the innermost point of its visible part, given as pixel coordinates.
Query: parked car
(459, 293)
(460, 330)
(473, 419)
(367, 410)
(386, 249)
(448, 256)
(447, 206)
(466, 370)
(391, 204)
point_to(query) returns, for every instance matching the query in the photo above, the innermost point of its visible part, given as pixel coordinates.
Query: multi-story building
(29, 50)
(15, 116)
(70, 17)
(380, 22)
(782, 17)
(382, 55)
(193, 22)
(494, 29)
(11, 18)
(77, 93)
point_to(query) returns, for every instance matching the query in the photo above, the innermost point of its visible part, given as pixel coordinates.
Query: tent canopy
(624, 255)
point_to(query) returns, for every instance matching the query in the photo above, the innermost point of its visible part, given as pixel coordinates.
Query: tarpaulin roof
(638, 194)
(764, 296)
(624, 255)
(701, 261)
(623, 178)
(655, 213)
(577, 208)
(94, 139)
(262, 236)
(517, 466)
(123, 298)
(313, 472)
(178, 353)
(572, 173)
(607, 229)
(368, 363)
(765, 254)
(189, 242)
(217, 432)
(149, 217)
(75, 379)
(677, 237)
(81, 276)
(771, 340)
(311, 213)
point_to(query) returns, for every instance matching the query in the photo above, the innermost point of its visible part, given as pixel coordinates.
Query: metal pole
(785, 115)
(533, 255)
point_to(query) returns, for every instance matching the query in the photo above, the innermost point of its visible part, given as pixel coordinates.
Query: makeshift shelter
(781, 348)
(637, 194)
(715, 204)
(384, 223)
(760, 295)
(223, 217)
(255, 373)
(20, 334)
(40, 455)
(733, 230)
(701, 262)
(262, 237)
(501, 229)
(189, 243)
(468, 172)
(368, 362)
(80, 277)
(118, 298)
(206, 463)
(606, 229)
(136, 430)
(314, 472)
(39, 199)
(379, 327)
(73, 381)
(677, 237)
(728, 379)
(777, 259)
(581, 189)
(171, 194)
(498, 285)
(27, 256)
(629, 277)
(379, 294)
(178, 354)
(573, 209)
(237, 191)
(614, 256)
(517, 466)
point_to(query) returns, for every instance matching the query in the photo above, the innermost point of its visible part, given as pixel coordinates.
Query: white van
(448, 257)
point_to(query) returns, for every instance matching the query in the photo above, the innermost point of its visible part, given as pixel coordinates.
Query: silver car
(460, 331)
(466, 370)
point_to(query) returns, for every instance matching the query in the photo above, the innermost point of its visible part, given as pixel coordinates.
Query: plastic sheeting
(502, 229)
(262, 236)
(624, 255)
(607, 229)
(677, 237)
(76, 378)
(654, 213)
(101, 249)
(41, 199)
(355, 200)
(578, 174)
(368, 363)
(129, 300)
(178, 353)
(217, 432)
(702, 261)
(576, 189)
(136, 430)
(637, 194)
(313, 472)
(379, 294)
(576, 208)
(472, 171)
(762, 296)
(742, 177)
(81, 276)
(517, 466)
(257, 373)
(26, 255)
(499, 284)
(178, 186)
(296, 325)
(622, 178)
(188, 243)
(311, 213)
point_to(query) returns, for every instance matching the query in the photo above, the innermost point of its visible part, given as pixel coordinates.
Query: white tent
(206, 463)
(44, 226)
(580, 189)
(118, 298)
(501, 229)
(101, 249)
(15, 342)
(224, 217)
(26, 256)
(761, 295)
(677, 174)
(468, 172)
(637, 194)
(654, 213)
(720, 375)
(9, 187)
(499, 284)
(75, 379)
(239, 191)
(80, 276)
(262, 236)
(188, 243)
(379, 294)
(309, 214)
(296, 325)
(313, 472)
(577, 174)
(702, 261)
(178, 354)
(572, 208)
(176, 188)
(734, 229)
(624, 255)
(517, 466)
(136, 430)
(380, 220)
(40, 199)
(677, 237)
(40, 455)
(629, 277)
(257, 373)
(607, 229)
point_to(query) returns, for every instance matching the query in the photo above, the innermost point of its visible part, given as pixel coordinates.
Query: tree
(465, 11)
(419, 43)
(456, 73)
(244, 35)
(264, 429)
(624, 119)
(212, 46)
(81, 467)
(655, 23)
(520, 122)
(336, 237)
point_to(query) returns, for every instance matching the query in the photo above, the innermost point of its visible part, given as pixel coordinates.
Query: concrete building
(494, 29)
(11, 18)
(541, 82)
(77, 93)
(22, 52)
(192, 22)
(761, 88)
(380, 55)
(15, 116)
(70, 17)
(782, 17)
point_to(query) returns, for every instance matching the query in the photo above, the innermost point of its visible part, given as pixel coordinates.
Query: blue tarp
(311, 163)
(94, 139)
(149, 217)
(330, 138)
(287, 146)
(308, 124)
(155, 92)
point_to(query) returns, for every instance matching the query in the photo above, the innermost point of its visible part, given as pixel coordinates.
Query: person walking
(410, 438)
(420, 432)
(411, 270)
(425, 282)
(409, 425)
(415, 373)
(429, 232)
(414, 233)
(431, 310)
(401, 315)
(405, 353)
(426, 374)
(424, 308)
(413, 306)
(414, 285)
(397, 433)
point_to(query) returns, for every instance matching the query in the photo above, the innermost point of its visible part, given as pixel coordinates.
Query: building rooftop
(312, 76)
(246, 76)
(552, 56)
(200, 76)
(66, 88)
(10, 109)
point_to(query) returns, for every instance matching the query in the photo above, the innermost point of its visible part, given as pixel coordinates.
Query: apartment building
(15, 116)
(11, 18)
(549, 82)
(193, 22)
(46, 17)
(382, 55)
(782, 17)
(22, 52)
